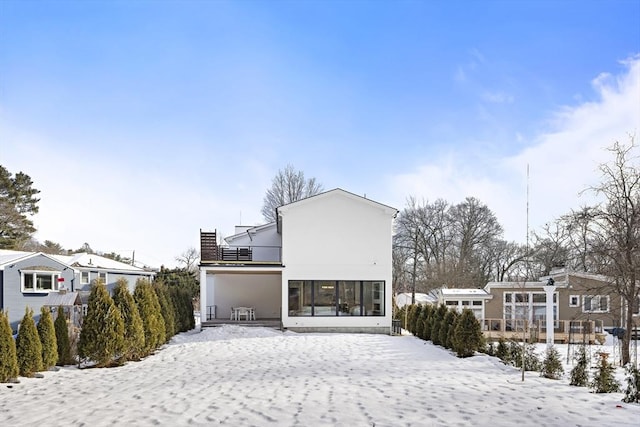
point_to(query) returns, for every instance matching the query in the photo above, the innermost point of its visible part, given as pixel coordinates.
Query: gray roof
(66, 299)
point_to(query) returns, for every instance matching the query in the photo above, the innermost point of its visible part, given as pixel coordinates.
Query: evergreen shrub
(102, 333)
(28, 346)
(133, 327)
(47, 334)
(604, 380)
(579, 375)
(468, 336)
(8, 356)
(632, 392)
(62, 338)
(551, 366)
(152, 320)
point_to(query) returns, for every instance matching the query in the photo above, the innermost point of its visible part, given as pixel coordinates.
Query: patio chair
(243, 311)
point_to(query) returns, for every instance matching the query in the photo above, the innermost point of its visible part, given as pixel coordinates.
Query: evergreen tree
(28, 346)
(490, 349)
(632, 392)
(413, 320)
(420, 322)
(502, 350)
(62, 338)
(451, 332)
(102, 334)
(152, 320)
(427, 322)
(468, 334)
(531, 361)
(8, 357)
(551, 365)
(183, 306)
(133, 328)
(47, 334)
(604, 380)
(166, 308)
(579, 374)
(438, 318)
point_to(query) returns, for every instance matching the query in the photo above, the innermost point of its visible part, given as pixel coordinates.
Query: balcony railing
(211, 252)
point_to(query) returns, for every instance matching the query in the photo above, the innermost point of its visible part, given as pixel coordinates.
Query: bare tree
(616, 229)
(475, 229)
(288, 186)
(447, 244)
(189, 260)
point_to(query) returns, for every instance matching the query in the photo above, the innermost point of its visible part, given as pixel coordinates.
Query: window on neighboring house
(84, 278)
(574, 300)
(636, 307)
(39, 281)
(451, 302)
(103, 276)
(596, 304)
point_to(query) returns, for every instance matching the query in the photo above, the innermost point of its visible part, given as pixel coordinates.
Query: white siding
(337, 236)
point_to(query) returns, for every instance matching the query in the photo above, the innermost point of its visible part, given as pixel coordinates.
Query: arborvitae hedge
(413, 321)
(411, 317)
(468, 334)
(152, 320)
(428, 318)
(8, 357)
(102, 334)
(62, 338)
(424, 317)
(28, 346)
(451, 319)
(447, 324)
(438, 318)
(47, 334)
(133, 327)
(166, 307)
(419, 322)
(183, 307)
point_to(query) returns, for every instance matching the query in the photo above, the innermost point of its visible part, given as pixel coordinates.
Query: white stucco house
(324, 265)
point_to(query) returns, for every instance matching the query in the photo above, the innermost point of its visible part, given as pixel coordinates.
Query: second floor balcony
(212, 253)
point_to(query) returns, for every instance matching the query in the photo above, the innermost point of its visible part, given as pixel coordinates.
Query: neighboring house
(28, 278)
(473, 299)
(583, 306)
(324, 265)
(404, 298)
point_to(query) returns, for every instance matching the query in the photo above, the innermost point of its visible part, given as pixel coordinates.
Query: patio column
(549, 289)
(203, 296)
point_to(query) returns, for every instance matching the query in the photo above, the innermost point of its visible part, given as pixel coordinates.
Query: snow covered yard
(260, 377)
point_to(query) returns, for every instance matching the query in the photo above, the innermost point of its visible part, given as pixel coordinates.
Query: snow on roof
(7, 256)
(470, 292)
(85, 260)
(404, 298)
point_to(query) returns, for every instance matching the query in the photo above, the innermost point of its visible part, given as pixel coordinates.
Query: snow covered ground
(259, 377)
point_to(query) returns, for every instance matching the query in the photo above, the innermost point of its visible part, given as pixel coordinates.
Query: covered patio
(241, 295)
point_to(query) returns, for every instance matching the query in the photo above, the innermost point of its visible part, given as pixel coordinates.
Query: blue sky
(143, 121)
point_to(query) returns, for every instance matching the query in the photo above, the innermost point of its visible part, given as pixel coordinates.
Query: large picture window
(39, 281)
(522, 307)
(336, 298)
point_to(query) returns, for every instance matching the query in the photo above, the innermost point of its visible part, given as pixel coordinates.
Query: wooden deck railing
(565, 331)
